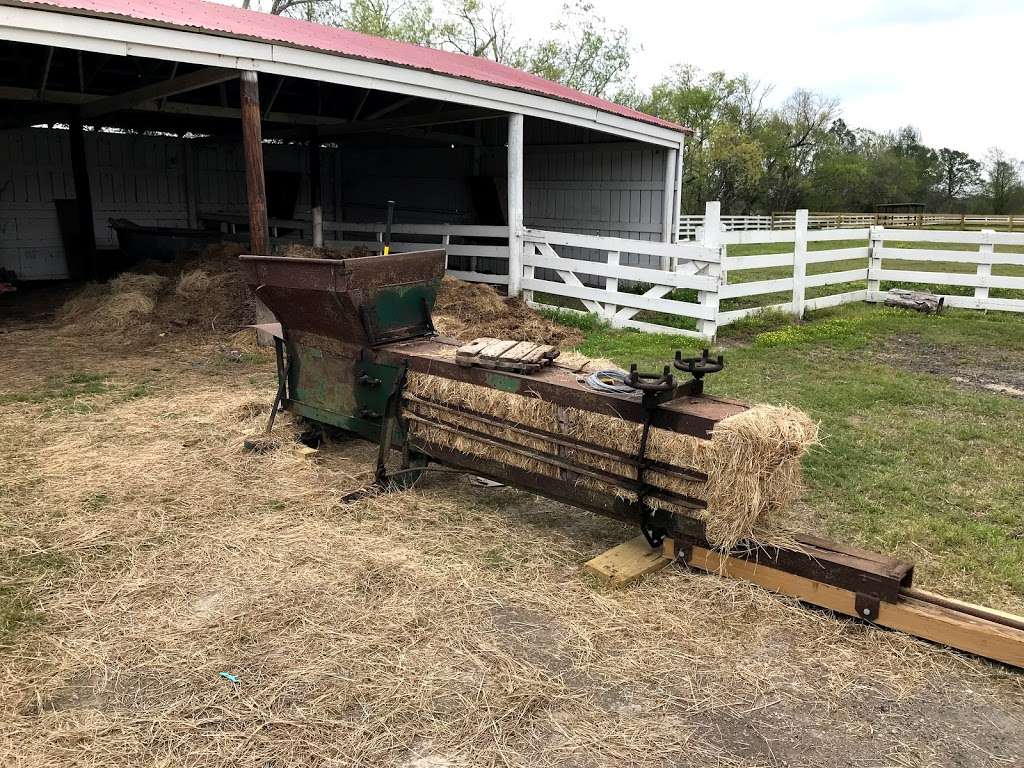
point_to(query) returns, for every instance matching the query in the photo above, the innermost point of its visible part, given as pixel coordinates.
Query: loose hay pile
(201, 290)
(472, 310)
(752, 460)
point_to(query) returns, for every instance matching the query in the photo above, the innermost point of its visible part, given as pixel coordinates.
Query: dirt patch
(999, 371)
(472, 310)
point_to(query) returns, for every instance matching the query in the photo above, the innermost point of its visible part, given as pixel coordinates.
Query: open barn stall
(88, 137)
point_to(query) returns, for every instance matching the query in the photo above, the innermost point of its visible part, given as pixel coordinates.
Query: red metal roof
(252, 25)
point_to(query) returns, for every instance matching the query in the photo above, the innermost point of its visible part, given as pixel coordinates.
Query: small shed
(190, 115)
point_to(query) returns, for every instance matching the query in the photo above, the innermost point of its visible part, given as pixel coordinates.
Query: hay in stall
(752, 459)
(126, 302)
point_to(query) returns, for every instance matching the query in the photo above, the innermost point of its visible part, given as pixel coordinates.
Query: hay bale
(752, 459)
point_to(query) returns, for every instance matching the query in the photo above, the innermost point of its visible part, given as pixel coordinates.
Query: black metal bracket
(866, 606)
(282, 382)
(698, 367)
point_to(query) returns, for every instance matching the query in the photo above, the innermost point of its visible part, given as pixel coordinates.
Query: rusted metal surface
(328, 299)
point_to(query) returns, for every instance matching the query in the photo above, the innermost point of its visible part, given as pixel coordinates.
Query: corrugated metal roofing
(252, 25)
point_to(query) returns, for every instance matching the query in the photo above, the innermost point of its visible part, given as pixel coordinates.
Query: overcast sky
(952, 69)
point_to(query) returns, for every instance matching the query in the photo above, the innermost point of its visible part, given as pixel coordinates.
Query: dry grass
(448, 626)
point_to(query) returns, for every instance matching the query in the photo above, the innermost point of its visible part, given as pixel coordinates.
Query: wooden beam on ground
(163, 89)
(943, 624)
(626, 563)
(255, 185)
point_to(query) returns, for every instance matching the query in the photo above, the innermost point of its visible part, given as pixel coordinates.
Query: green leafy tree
(959, 174)
(1003, 183)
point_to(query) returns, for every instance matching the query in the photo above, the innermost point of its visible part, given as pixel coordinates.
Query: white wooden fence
(682, 266)
(863, 263)
(689, 224)
(694, 282)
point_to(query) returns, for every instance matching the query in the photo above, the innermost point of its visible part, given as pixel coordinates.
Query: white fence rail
(689, 225)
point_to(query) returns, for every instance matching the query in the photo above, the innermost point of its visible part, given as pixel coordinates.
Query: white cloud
(949, 68)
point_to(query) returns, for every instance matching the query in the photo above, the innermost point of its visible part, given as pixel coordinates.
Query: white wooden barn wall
(574, 182)
(136, 177)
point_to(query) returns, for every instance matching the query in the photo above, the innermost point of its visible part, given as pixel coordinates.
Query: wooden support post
(668, 228)
(876, 239)
(515, 204)
(255, 185)
(711, 237)
(677, 201)
(985, 251)
(800, 263)
(315, 188)
(85, 252)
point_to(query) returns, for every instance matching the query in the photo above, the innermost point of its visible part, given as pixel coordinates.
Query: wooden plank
(626, 563)
(630, 300)
(541, 352)
(734, 290)
(467, 354)
(489, 354)
(915, 617)
(519, 351)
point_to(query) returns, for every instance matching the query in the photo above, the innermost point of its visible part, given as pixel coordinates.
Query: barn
(132, 127)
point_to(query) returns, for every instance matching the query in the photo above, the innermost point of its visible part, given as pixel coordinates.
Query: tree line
(750, 152)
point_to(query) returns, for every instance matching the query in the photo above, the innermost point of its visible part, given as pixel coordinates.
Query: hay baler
(352, 331)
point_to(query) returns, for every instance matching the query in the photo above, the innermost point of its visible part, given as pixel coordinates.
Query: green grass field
(922, 455)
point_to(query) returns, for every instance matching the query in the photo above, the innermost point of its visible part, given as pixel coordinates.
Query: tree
(1004, 181)
(959, 174)
(480, 29)
(584, 54)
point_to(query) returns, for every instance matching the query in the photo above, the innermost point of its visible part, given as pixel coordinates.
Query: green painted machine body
(335, 312)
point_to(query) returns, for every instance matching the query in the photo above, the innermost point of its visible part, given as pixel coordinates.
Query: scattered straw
(445, 627)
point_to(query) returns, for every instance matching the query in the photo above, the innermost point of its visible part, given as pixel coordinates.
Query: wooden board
(466, 354)
(627, 562)
(915, 617)
(505, 354)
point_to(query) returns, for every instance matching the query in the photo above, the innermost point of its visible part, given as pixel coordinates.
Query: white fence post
(611, 284)
(800, 263)
(515, 204)
(712, 238)
(876, 239)
(984, 270)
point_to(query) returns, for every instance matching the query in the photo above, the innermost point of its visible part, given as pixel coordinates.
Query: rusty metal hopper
(365, 301)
